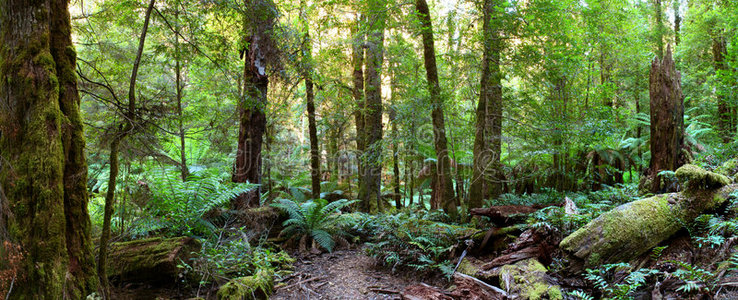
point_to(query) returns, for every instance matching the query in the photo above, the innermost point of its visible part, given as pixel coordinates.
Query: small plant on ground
(317, 223)
(605, 280)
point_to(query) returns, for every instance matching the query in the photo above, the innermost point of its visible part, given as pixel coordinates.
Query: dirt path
(344, 274)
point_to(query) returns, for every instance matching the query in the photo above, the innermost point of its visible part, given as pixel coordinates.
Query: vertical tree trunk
(487, 138)
(252, 124)
(719, 48)
(373, 93)
(667, 117)
(43, 174)
(444, 187)
(307, 66)
(184, 169)
(357, 57)
(659, 29)
(677, 23)
(130, 117)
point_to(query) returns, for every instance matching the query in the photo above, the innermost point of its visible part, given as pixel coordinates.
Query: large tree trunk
(307, 66)
(633, 228)
(373, 114)
(487, 138)
(443, 189)
(252, 124)
(667, 117)
(43, 174)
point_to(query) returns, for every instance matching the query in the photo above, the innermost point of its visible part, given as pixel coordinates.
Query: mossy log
(150, 260)
(632, 229)
(257, 286)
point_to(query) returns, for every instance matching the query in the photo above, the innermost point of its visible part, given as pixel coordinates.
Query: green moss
(527, 280)
(257, 286)
(728, 168)
(695, 177)
(467, 268)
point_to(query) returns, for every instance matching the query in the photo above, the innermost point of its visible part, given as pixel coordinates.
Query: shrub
(315, 222)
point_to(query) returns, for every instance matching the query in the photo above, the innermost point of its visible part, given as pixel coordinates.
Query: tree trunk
(252, 124)
(677, 23)
(659, 29)
(307, 66)
(667, 117)
(444, 187)
(184, 169)
(357, 56)
(373, 93)
(114, 145)
(42, 143)
(719, 49)
(487, 142)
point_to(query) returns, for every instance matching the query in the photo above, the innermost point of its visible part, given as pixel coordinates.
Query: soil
(345, 274)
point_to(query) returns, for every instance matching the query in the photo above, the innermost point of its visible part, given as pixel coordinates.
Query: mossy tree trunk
(43, 172)
(443, 187)
(667, 117)
(487, 138)
(372, 155)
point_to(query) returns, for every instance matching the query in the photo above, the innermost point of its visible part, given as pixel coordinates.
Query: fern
(317, 221)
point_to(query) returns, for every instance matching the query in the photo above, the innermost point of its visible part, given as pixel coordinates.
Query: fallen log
(527, 279)
(150, 260)
(507, 214)
(538, 243)
(632, 229)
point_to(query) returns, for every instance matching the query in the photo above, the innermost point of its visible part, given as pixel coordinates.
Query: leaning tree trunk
(43, 172)
(667, 117)
(634, 228)
(130, 117)
(373, 114)
(444, 187)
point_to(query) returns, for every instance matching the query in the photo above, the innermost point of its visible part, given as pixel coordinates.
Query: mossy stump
(150, 260)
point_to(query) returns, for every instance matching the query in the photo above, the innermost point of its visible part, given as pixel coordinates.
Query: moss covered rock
(527, 279)
(632, 229)
(694, 177)
(151, 260)
(257, 286)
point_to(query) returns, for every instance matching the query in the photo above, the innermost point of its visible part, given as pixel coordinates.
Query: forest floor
(344, 274)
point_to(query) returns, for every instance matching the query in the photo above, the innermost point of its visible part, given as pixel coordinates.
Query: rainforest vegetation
(368, 149)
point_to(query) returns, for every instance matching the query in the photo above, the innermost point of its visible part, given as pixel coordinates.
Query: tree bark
(310, 98)
(659, 29)
(357, 56)
(373, 92)
(487, 137)
(43, 172)
(667, 117)
(130, 117)
(444, 187)
(677, 23)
